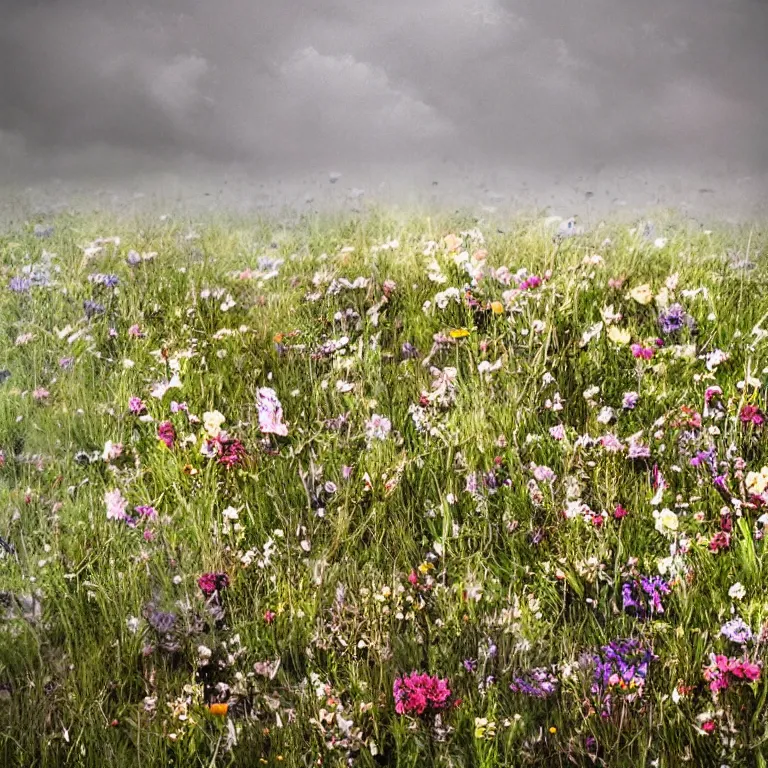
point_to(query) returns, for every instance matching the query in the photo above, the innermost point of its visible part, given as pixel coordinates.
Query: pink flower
(166, 433)
(116, 505)
(270, 412)
(136, 405)
(557, 432)
(750, 414)
(40, 394)
(417, 693)
(135, 331)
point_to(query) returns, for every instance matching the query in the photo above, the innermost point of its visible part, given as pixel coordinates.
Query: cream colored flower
(619, 335)
(642, 294)
(757, 482)
(666, 520)
(212, 421)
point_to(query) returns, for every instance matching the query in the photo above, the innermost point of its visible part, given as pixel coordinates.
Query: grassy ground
(484, 477)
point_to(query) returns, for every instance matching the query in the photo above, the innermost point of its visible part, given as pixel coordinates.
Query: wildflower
(642, 294)
(417, 694)
(751, 414)
(629, 401)
(231, 452)
(619, 512)
(666, 520)
(20, 284)
(269, 616)
(218, 709)
(737, 591)
(620, 667)
(720, 541)
(146, 511)
(378, 427)
(643, 596)
(116, 505)
(111, 451)
(136, 405)
(737, 631)
(757, 482)
(40, 394)
(270, 412)
(557, 432)
(537, 682)
(674, 320)
(211, 583)
(166, 433)
(641, 352)
(92, 308)
(212, 421)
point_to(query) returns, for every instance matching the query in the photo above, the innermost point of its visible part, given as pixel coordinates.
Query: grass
(479, 539)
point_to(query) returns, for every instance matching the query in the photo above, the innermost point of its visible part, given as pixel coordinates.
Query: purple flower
(20, 284)
(408, 351)
(737, 631)
(630, 400)
(92, 308)
(538, 682)
(674, 320)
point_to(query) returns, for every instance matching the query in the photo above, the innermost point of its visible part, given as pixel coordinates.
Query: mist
(502, 98)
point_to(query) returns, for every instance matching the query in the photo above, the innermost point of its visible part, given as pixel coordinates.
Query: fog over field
(491, 102)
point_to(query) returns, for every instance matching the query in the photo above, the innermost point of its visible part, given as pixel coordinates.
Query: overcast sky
(572, 86)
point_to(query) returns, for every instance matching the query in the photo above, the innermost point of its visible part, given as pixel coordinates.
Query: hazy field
(254, 475)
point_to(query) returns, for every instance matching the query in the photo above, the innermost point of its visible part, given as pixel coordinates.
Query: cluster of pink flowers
(722, 671)
(641, 352)
(751, 414)
(417, 693)
(534, 281)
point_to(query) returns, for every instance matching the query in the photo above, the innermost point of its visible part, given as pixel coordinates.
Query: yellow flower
(642, 294)
(212, 421)
(553, 730)
(497, 307)
(618, 335)
(459, 333)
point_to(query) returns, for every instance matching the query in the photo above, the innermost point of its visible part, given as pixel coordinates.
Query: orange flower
(219, 710)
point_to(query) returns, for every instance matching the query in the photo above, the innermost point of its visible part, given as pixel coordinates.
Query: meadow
(382, 490)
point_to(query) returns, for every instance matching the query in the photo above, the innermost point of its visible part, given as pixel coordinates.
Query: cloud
(513, 83)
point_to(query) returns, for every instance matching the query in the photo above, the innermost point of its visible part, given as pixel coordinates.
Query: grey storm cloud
(520, 83)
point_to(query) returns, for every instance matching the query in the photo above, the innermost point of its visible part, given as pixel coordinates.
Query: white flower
(737, 591)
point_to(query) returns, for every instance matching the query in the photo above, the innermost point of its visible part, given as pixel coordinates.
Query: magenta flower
(210, 583)
(166, 434)
(750, 414)
(417, 694)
